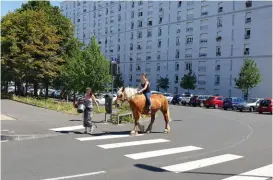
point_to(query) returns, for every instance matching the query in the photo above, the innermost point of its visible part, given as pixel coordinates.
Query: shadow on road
(149, 168)
(156, 169)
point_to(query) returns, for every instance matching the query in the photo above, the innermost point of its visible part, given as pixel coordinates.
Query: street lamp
(114, 70)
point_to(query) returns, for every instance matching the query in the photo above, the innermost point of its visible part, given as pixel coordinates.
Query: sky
(9, 5)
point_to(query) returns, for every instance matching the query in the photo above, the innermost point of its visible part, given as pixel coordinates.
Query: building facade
(168, 38)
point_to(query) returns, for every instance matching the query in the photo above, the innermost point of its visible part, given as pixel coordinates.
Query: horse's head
(121, 96)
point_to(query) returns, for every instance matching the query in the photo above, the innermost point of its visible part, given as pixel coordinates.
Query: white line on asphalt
(105, 137)
(69, 128)
(132, 143)
(4, 141)
(162, 152)
(75, 176)
(178, 168)
(262, 173)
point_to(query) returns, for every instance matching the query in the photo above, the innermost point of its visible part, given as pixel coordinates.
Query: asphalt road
(204, 144)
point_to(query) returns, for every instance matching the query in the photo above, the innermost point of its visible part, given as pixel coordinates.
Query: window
(231, 50)
(189, 27)
(158, 67)
(247, 33)
(189, 39)
(106, 30)
(139, 46)
(160, 20)
(139, 23)
(177, 54)
(218, 50)
(190, 2)
(204, 10)
(150, 22)
(132, 25)
(149, 45)
(219, 22)
(119, 7)
(178, 28)
(133, 4)
(139, 34)
(203, 52)
(179, 16)
(188, 66)
(230, 67)
(150, 10)
(219, 36)
(220, 7)
(246, 49)
(148, 56)
(130, 77)
(248, 3)
(248, 17)
(188, 53)
(119, 17)
(159, 43)
(106, 11)
(158, 55)
(118, 47)
(149, 33)
(190, 13)
(159, 31)
(140, 3)
(176, 66)
(139, 56)
(217, 80)
(132, 14)
(217, 65)
(176, 79)
(177, 41)
(140, 13)
(204, 25)
(233, 19)
(203, 38)
(179, 4)
(230, 80)
(131, 46)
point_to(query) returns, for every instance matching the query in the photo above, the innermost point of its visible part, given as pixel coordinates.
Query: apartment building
(168, 38)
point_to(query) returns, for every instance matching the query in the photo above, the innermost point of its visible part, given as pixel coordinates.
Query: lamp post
(114, 69)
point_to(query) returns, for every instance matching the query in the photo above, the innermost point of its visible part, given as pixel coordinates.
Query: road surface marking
(4, 141)
(178, 168)
(69, 128)
(105, 137)
(262, 173)
(5, 117)
(132, 143)
(75, 176)
(162, 152)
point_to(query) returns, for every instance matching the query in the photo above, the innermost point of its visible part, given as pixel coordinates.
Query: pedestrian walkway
(125, 142)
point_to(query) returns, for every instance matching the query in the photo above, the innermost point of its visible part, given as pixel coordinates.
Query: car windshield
(211, 98)
(251, 101)
(186, 95)
(265, 103)
(227, 99)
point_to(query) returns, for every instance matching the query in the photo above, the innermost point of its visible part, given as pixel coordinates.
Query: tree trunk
(35, 86)
(247, 94)
(26, 88)
(46, 92)
(7, 86)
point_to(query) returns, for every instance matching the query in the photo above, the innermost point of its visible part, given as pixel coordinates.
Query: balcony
(217, 67)
(219, 38)
(188, 55)
(202, 54)
(247, 36)
(179, 18)
(178, 31)
(220, 9)
(217, 83)
(246, 53)
(203, 41)
(150, 23)
(202, 69)
(204, 27)
(189, 29)
(202, 82)
(190, 16)
(219, 25)
(204, 13)
(248, 20)
(248, 4)
(218, 53)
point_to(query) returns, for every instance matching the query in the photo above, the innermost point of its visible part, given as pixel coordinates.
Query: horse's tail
(167, 108)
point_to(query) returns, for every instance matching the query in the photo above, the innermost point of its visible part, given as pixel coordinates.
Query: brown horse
(138, 107)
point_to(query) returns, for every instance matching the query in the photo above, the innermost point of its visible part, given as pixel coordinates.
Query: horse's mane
(130, 91)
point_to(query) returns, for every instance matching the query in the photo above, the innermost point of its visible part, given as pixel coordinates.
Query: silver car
(250, 105)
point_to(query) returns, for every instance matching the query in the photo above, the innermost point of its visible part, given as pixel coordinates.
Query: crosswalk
(126, 141)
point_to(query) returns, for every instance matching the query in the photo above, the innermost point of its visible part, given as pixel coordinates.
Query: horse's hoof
(166, 131)
(148, 131)
(141, 128)
(133, 133)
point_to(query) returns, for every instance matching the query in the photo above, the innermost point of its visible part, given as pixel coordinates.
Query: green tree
(163, 83)
(249, 76)
(118, 81)
(188, 81)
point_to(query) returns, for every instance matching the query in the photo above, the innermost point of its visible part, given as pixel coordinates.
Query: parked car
(250, 105)
(101, 100)
(265, 106)
(185, 98)
(175, 99)
(214, 101)
(168, 96)
(232, 102)
(198, 100)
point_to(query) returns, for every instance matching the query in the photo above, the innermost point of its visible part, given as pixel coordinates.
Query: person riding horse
(145, 85)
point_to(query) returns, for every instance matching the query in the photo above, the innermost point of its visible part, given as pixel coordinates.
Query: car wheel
(241, 110)
(207, 107)
(216, 106)
(225, 108)
(251, 109)
(260, 112)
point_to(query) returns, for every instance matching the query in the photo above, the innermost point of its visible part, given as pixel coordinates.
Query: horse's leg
(136, 118)
(149, 129)
(167, 125)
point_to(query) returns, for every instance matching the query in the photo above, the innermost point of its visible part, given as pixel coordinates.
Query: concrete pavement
(205, 144)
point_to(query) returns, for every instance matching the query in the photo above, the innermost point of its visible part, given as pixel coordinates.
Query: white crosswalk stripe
(132, 143)
(262, 173)
(178, 168)
(162, 152)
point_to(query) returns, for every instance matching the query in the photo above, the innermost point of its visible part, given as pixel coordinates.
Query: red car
(265, 106)
(214, 101)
